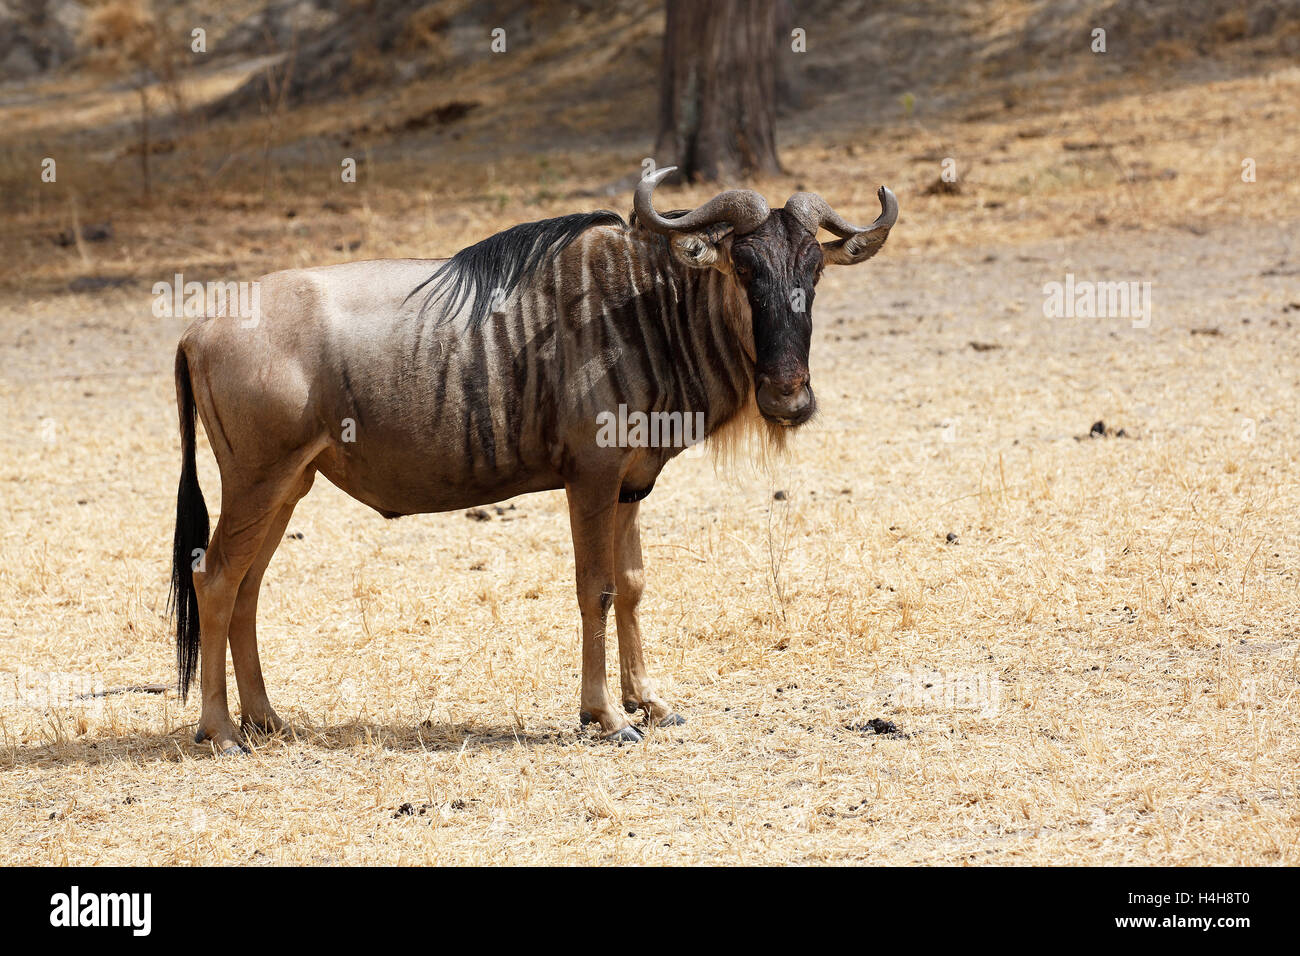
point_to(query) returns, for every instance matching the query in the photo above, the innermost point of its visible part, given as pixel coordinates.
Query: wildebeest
(417, 391)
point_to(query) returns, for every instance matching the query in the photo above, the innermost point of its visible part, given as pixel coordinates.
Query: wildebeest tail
(191, 536)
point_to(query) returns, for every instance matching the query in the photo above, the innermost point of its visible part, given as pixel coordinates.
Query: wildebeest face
(776, 258)
(778, 264)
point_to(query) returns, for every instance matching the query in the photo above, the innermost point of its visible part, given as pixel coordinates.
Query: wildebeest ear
(692, 250)
(700, 249)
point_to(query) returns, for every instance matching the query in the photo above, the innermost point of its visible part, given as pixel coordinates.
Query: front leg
(639, 692)
(591, 516)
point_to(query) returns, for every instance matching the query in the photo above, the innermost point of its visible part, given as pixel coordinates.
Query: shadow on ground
(352, 736)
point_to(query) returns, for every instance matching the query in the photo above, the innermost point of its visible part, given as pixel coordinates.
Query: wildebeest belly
(394, 494)
(421, 460)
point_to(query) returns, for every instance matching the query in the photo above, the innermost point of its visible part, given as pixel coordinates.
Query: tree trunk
(717, 90)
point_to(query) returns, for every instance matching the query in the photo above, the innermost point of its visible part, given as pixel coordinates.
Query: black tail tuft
(191, 535)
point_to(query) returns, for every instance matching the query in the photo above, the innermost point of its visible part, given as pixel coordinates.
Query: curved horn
(744, 209)
(856, 242)
(816, 213)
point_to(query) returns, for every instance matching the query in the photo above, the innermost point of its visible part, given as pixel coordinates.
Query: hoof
(202, 735)
(628, 735)
(234, 750)
(673, 720)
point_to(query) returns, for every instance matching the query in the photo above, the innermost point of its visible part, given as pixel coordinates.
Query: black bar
(958, 906)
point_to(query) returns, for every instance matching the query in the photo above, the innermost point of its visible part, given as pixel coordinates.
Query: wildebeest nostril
(780, 388)
(788, 403)
(789, 387)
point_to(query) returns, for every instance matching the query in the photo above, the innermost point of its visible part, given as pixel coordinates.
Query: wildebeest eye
(744, 273)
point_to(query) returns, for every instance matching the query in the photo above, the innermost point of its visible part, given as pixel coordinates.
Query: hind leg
(247, 515)
(256, 712)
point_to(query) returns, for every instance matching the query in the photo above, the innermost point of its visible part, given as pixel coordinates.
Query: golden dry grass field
(1088, 644)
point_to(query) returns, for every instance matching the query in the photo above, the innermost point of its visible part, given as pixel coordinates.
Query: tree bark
(717, 89)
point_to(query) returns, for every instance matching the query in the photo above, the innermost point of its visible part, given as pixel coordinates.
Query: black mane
(504, 261)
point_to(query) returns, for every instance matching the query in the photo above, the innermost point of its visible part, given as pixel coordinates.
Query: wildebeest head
(775, 257)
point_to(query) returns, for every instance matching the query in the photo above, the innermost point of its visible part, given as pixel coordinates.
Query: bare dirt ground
(1075, 648)
(1101, 667)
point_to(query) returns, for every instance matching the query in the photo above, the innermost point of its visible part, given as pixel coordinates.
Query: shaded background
(237, 140)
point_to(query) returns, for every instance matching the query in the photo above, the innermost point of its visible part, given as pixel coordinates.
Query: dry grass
(1101, 668)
